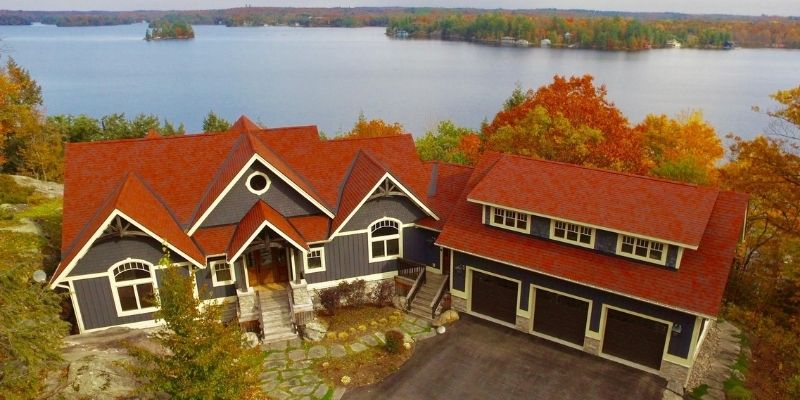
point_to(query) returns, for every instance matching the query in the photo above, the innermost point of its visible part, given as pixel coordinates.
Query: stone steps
(275, 316)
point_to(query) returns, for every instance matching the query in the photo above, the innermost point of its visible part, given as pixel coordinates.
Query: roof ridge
(449, 164)
(347, 139)
(609, 171)
(158, 198)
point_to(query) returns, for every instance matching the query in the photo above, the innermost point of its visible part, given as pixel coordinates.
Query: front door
(267, 265)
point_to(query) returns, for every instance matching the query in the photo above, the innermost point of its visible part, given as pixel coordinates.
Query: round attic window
(258, 183)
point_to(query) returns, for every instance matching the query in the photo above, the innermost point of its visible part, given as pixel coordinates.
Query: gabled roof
(261, 215)
(245, 151)
(695, 287)
(243, 124)
(364, 175)
(654, 208)
(214, 240)
(136, 203)
(447, 182)
(313, 228)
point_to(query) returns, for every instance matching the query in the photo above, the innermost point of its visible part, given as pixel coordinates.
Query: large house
(626, 267)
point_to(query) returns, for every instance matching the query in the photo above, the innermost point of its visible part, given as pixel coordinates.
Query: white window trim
(384, 239)
(662, 261)
(503, 226)
(212, 269)
(114, 285)
(258, 192)
(306, 268)
(589, 245)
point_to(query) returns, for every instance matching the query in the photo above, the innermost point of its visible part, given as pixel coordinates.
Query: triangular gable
(247, 151)
(259, 217)
(366, 177)
(136, 204)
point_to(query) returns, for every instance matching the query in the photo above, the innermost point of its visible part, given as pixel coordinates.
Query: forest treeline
(169, 28)
(602, 33)
(564, 28)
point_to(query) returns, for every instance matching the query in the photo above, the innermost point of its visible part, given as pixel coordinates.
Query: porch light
(677, 328)
(459, 268)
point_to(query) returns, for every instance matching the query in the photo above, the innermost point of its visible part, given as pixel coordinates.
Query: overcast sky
(747, 7)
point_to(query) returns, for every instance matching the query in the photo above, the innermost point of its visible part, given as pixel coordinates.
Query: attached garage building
(560, 316)
(633, 338)
(494, 297)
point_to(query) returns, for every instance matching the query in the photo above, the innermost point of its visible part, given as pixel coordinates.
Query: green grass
(328, 395)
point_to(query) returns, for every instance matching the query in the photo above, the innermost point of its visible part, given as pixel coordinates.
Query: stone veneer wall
(523, 324)
(591, 345)
(674, 372)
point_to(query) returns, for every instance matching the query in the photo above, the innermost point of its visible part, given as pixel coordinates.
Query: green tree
(518, 96)
(30, 332)
(205, 359)
(215, 123)
(447, 143)
(80, 128)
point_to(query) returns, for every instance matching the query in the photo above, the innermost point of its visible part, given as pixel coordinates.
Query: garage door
(560, 316)
(494, 297)
(636, 339)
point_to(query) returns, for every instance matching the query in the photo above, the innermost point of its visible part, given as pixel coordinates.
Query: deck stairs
(421, 305)
(275, 317)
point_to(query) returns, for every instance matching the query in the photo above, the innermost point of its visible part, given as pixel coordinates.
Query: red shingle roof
(696, 286)
(364, 175)
(313, 228)
(656, 208)
(252, 222)
(214, 240)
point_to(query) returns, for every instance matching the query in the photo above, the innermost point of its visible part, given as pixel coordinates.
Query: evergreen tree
(204, 358)
(30, 332)
(215, 123)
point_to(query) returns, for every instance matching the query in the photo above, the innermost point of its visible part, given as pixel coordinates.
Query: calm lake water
(326, 76)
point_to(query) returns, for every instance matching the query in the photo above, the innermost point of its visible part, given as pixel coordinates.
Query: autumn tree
(365, 128)
(787, 118)
(570, 110)
(215, 123)
(20, 102)
(686, 148)
(764, 286)
(204, 358)
(449, 143)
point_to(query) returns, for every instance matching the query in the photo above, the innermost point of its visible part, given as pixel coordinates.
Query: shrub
(381, 294)
(329, 299)
(394, 341)
(353, 293)
(11, 192)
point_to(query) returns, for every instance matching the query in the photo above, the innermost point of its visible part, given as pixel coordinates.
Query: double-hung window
(643, 249)
(133, 287)
(510, 219)
(572, 233)
(315, 260)
(222, 273)
(384, 240)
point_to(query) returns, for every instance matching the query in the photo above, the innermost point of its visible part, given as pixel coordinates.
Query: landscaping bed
(350, 323)
(364, 368)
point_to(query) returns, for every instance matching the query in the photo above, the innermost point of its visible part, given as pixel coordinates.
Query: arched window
(385, 240)
(133, 287)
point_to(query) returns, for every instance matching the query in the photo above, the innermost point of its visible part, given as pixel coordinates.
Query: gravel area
(702, 364)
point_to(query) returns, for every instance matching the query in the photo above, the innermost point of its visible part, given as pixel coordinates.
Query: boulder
(315, 330)
(399, 302)
(251, 338)
(446, 317)
(441, 330)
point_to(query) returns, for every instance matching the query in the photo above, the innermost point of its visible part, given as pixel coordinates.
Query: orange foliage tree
(686, 148)
(365, 128)
(569, 111)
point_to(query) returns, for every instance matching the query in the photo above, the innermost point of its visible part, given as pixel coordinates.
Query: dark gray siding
(679, 342)
(605, 241)
(205, 285)
(97, 304)
(348, 257)
(400, 208)
(672, 256)
(540, 227)
(101, 256)
(240, 200)
(418, 246)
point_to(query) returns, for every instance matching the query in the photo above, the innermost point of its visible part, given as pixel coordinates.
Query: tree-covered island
(164, 29)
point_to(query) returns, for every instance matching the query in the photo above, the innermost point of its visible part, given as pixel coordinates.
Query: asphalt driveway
(476, 359)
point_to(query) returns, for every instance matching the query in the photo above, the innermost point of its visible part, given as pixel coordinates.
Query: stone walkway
(288, 367)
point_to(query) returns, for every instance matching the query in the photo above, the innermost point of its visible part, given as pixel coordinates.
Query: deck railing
(409, 269)
(418, 283)
(439, 294)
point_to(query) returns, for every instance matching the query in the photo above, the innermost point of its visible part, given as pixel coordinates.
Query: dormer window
(509, 219)
(642, 249)
(572, 233)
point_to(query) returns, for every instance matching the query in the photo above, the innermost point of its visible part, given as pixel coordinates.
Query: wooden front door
(267, 265)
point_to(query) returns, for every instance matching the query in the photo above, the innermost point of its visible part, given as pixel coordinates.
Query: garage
(494, 297)
(559, 316)
(635, 339)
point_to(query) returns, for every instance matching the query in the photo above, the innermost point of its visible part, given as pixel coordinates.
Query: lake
(325, 76)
